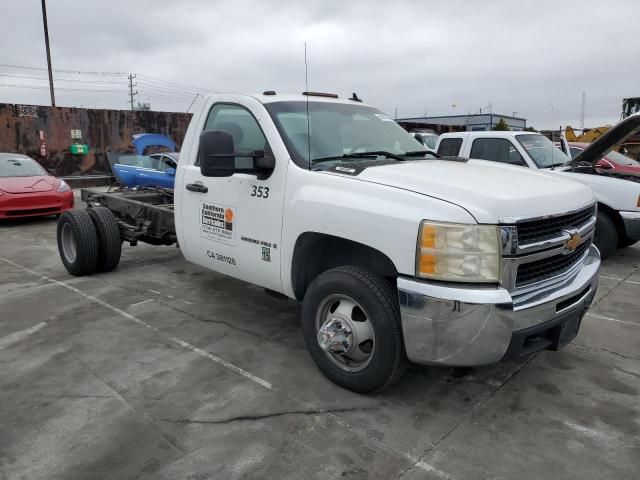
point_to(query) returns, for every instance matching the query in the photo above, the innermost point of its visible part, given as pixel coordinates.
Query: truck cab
(396, 256)
(618, 195)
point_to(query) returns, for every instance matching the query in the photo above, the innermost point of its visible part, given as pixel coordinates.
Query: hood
(608, 141)
(43, 183)
(490, 192)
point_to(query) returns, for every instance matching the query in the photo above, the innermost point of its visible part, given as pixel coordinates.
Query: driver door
(233, 224)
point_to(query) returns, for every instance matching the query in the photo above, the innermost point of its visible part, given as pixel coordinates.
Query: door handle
(196, 187)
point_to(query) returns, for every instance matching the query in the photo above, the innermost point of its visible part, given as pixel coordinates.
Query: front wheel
(351, 326)
(625, 242)
(606, 236)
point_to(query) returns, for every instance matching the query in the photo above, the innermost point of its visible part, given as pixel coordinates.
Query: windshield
(337, 129)
(20, 167)
(620, 159)
(430, 141)
(542, 151)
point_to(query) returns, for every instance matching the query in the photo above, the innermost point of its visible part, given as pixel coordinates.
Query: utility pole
(582, 110)
(46, 43)
(131, 92)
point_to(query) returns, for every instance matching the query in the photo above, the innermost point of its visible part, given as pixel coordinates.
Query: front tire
(77, 242)
(625, 242)
(606, 236)
(354, 314)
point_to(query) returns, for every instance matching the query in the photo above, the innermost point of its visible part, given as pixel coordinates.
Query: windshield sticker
(216, 222)
(383, 117)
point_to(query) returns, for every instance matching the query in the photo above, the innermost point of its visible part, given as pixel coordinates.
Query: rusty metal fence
(47, 134)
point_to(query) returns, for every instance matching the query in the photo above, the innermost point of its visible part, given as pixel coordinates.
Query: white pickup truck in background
(394, 254)
(618, 223)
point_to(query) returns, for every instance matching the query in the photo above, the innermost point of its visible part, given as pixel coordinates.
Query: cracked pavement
(163, 370)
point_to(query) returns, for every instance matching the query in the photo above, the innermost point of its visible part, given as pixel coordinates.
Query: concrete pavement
(164, 370)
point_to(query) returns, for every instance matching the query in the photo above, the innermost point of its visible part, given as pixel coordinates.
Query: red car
(27, 190)
(611, 161)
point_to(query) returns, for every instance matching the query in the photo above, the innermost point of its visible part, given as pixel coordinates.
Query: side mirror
(171, 172)
(264, 160)
(216, 154)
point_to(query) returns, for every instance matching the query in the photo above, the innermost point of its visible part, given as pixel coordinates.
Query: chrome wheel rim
(68, 241)
(345, 333)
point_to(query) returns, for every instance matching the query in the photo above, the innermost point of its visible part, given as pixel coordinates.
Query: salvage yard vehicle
(27, 190)
(137, 170)
(395, 255)
(429, 140)
(618, 193)
(611, 161)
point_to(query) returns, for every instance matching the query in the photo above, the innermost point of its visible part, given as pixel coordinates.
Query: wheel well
(315, 253)
(615, 216)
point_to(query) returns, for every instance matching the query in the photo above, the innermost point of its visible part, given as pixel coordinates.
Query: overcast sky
(450, 57)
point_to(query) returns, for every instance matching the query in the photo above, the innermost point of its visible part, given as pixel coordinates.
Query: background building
(457, 123)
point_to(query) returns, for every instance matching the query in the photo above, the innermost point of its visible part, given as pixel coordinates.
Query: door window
(238, 122)
(496, 150)
(574, 151)
(449, 147)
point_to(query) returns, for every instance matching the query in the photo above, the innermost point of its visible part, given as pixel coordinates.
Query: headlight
(458, 253)
(63, 187)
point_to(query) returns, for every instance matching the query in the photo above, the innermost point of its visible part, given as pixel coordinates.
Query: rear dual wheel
(89, 241)
(109, 241)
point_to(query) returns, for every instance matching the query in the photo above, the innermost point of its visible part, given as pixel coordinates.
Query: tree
(501, 126)
(530, 129)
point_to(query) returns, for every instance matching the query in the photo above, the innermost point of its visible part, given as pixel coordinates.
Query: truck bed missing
(144, 214)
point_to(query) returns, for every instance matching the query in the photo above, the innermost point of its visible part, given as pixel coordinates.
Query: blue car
(157, 169)
(137, 169)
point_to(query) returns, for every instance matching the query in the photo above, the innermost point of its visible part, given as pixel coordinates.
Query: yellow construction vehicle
(587, 136)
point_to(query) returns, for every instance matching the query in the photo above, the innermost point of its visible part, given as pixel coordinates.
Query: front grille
(545, 268)
(537, 230)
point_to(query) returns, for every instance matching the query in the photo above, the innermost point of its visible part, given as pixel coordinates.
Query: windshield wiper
(421, 153)
(377, 153)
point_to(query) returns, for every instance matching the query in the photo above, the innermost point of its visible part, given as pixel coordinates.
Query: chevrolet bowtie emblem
(574, 240)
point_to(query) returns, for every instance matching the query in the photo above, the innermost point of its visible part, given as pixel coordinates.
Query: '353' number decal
(260, 192)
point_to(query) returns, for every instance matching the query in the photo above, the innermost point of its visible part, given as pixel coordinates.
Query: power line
(83, 72)
(187, 93)
(176, 83)
(27, 77)
(34, 87)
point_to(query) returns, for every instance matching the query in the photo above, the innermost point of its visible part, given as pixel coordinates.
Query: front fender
(382, 217)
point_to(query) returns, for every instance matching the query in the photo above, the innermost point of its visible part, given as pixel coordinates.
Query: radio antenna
(306, 89)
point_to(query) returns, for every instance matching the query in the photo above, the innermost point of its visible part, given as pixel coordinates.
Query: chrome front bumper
(452, 325)
(631, 224)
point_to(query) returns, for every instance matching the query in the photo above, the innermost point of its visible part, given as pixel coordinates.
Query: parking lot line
(416, 462)
(142, 302)
(127, 315)
(22, 334)
(618, 279)
(602, 317)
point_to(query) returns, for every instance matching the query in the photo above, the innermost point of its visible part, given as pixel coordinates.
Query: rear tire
(110, 243)
(77, 242)
(375, 302)
(606, 236)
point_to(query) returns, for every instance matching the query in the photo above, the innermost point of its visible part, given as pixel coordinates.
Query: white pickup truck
(618, 195)
(394, 254)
